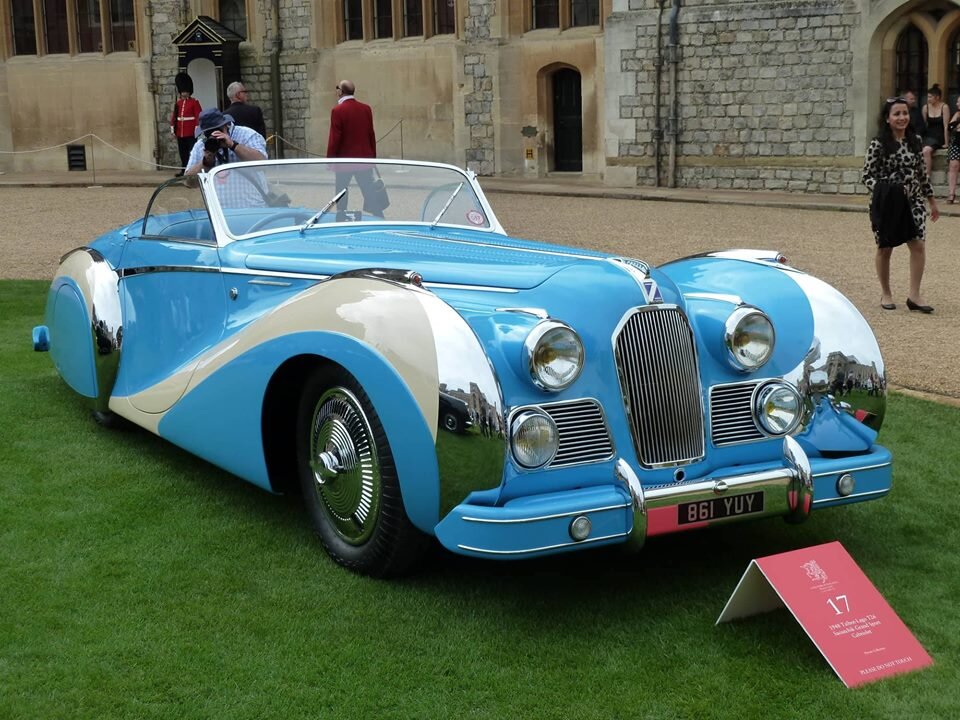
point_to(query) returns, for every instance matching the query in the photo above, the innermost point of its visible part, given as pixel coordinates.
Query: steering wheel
(297, 216)
(439, 197)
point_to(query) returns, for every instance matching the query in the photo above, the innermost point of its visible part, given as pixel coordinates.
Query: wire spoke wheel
(349, 478)
(346, 468)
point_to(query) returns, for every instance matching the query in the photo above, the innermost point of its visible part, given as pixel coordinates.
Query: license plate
(718, 508)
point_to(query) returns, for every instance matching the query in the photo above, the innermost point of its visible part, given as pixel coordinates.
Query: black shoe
(919, 308)
(888, 306)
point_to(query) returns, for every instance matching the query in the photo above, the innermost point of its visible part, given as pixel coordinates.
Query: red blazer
(185, 108)
(351, 131)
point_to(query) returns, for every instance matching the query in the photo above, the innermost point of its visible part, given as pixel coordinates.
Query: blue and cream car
(416, 372)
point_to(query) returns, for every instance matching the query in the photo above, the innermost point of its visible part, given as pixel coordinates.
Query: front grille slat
(731, 414)
(582, 431)
(656, 358)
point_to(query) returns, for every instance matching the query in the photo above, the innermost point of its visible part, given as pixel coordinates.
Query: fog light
(846, 484)
(533, 438)
(778, 408)
(580, 528)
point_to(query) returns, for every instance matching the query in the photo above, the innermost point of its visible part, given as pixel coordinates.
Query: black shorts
(933, 142)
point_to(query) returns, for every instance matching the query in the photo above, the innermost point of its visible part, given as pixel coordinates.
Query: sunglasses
(898, 99)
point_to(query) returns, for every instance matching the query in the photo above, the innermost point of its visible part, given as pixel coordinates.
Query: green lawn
(139, 582)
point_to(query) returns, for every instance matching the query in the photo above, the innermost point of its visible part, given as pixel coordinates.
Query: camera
(212, 145)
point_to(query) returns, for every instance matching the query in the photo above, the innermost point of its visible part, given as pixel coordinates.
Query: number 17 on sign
(837, 602)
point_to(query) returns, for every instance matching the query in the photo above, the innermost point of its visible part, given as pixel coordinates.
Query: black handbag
(376, 199)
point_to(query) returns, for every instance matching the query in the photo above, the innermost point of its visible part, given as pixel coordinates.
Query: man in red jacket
(352, 136)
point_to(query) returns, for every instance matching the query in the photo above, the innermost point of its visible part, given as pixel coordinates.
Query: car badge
(651, 291)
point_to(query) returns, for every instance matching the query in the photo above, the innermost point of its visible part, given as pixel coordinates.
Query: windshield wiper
(447, 205)
(322, 210)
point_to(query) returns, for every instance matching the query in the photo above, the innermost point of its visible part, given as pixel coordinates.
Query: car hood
(441, 257)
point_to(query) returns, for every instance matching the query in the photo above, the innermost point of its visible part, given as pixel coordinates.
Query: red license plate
(719, 508)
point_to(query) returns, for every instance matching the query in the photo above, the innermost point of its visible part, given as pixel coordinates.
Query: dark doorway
(567, 121)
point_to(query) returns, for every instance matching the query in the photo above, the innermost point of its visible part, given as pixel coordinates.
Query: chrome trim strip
(853, 470)
(271, 283)
(130, 272)
(872, 493)
(542, 549)
(292, 276)
(719, 297)
(538, 313)
(176, 239)
(545, 517)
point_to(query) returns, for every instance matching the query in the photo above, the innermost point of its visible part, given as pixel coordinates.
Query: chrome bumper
(788, 491)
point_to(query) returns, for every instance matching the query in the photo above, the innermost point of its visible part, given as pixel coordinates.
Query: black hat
(184, 83)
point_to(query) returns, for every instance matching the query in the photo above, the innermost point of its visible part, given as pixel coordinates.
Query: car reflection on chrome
(454, 414)
(417, 373)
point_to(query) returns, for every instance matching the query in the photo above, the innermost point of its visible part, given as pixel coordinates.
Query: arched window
(233, 14)
(953, 66)
(911, 61)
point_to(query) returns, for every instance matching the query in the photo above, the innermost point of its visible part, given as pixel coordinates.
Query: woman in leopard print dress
(894, 173)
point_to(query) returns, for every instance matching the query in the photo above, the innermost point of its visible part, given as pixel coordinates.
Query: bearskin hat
(184, 83)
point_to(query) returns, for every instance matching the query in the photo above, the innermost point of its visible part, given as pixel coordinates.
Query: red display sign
(838, 607)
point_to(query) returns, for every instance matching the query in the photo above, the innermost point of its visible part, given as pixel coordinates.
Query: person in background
(935, 136)
(893, 172)
(916, 114)
(184, 119)
(352, 136)
(222, 142)
(242, 112)
(953, 153)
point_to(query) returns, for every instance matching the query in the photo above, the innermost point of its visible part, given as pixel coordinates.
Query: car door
(172, 295)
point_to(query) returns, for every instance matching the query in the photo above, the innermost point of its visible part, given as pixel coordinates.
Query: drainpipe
(658, 64)
(674, 121)
(276, 95)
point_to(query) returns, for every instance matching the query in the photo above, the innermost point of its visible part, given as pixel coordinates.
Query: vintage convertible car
(417, 372)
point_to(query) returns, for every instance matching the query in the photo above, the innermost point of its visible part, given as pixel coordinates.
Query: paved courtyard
(922, 352)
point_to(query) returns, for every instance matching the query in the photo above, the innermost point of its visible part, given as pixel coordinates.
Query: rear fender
(85, 324)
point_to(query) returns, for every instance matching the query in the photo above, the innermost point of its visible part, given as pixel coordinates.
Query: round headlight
(749, 337)
(778, 408)
(533, 438)
(554, 354)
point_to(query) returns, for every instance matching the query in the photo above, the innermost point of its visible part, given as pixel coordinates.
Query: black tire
(349, 480)
(451, 422)
(110, 420)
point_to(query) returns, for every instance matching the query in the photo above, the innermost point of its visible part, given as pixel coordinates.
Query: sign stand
(845, 616)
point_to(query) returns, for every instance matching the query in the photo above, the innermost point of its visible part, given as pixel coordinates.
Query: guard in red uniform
(183, 121)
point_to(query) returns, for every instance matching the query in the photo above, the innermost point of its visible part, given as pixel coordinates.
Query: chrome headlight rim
(760, 397)
(731, 327)
(517, 421)
(532, 345)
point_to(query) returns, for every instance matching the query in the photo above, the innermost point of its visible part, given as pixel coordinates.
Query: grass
(139, 582)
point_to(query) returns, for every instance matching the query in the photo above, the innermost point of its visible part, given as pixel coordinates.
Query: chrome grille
(582, 432)
(731, 414)
(657, 362)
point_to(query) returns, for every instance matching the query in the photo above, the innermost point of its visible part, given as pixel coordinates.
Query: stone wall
(762, 94)
(255, 55)
(479, 61)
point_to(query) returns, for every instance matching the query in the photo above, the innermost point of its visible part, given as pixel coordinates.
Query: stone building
(758, 94)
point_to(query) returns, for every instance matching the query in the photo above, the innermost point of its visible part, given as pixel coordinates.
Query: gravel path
(921, 352)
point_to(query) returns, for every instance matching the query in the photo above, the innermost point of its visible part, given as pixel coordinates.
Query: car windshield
(254, 198)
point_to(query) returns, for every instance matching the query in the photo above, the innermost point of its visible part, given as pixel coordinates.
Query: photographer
(221, 142)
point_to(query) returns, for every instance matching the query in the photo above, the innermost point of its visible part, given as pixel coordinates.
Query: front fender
(223, 426)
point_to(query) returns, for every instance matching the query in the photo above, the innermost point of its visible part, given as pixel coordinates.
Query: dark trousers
(185, 145)
(364, 181)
